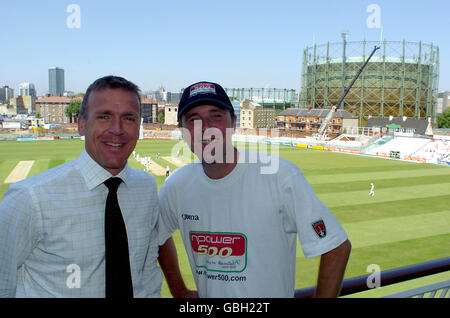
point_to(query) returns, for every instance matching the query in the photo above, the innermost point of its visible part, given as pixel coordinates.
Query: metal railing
(438, 290)
(388, 277)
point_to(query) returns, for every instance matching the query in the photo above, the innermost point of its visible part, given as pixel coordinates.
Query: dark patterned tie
(118, 274)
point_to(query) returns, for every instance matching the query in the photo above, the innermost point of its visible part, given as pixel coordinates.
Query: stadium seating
(405, 145)
(409, 148)
(435, 151)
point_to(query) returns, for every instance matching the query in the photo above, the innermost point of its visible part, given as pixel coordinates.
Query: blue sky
(173, 43)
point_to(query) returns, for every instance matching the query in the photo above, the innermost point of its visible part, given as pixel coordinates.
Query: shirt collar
(94, 174)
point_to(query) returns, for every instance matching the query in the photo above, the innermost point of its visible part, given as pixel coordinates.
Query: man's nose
(206, 124)
(115, 126)
(200, 125)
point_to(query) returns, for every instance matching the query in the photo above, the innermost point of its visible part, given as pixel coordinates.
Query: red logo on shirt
(222, 244)
(219, 251)
(320, 228)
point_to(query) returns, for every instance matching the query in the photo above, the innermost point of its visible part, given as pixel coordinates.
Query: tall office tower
(56, 81)
(27, 89)
(6, 94)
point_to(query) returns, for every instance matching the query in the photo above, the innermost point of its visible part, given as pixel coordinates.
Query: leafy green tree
(444, 119)
(73, 109)
(161, 118)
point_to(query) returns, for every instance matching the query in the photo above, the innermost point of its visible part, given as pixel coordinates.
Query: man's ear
(233, 122)
(81, 126)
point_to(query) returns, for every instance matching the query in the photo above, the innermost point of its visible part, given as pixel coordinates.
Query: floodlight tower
(344, 44)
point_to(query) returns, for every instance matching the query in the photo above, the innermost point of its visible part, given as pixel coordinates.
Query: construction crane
(321, 134)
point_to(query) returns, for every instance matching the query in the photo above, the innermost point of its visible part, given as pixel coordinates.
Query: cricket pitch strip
(20, 171)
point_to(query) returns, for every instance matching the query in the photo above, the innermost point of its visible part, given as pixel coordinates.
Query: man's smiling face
(111, 127)
(213, 123)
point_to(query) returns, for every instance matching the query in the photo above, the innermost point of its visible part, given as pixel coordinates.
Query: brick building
(51, 108)
(308, 121)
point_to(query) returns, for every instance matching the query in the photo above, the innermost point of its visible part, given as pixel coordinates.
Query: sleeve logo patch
(319, 228)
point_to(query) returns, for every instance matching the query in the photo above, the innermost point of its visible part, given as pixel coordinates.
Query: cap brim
(205, 101)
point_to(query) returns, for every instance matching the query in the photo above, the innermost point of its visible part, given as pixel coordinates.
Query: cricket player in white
(372, 192)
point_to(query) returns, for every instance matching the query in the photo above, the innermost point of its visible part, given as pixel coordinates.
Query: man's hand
(168, 260)
(186, 294)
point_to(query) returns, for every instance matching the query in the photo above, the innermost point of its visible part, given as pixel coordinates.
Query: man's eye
(130, 118)
(102, 117)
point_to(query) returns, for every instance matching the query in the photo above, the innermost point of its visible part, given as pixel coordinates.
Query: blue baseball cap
(204, 93)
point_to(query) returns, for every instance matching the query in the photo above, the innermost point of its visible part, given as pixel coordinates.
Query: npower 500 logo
(219, 251)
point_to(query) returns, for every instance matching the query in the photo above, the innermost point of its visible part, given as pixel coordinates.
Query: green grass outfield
(406, 222)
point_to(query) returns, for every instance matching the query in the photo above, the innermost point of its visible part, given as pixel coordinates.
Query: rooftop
(54, 99)
(420, 125)
(315, 112)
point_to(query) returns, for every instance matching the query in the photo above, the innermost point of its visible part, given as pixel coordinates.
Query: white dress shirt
(52, 240)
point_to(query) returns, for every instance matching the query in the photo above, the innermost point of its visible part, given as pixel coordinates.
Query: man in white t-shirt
(238, 224)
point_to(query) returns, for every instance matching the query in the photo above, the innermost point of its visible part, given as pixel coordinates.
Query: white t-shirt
(240, 232)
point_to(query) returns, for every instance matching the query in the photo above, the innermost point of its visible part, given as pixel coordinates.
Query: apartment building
(52, 109)
(253, 115)
(309, 120)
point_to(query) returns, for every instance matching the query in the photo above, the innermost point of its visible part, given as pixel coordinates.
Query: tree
(444, 119)
(161, 118)
(73, 109)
